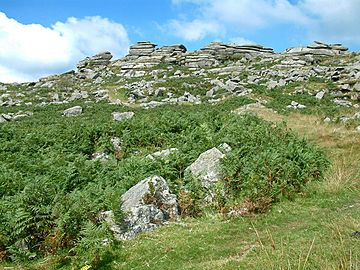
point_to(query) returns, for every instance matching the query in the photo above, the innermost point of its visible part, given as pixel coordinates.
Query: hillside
(232, 157)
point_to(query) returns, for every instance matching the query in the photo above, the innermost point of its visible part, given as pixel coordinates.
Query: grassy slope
(311, 232)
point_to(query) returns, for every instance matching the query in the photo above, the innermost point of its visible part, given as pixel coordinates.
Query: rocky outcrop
(90, 67)
(318, 49)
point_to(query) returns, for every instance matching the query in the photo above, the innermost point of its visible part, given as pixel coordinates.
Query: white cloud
(193, 30)
(331, 20)
(241, 41)
(334, 20)
(28, 51)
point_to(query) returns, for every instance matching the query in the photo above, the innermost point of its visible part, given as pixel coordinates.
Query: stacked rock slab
(89, 67)
(145, 55)
(171, 54)
(142, 48)
(221, 50)
(318, 48)
(217, 52)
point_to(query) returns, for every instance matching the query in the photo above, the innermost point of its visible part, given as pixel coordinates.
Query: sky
(44, 37)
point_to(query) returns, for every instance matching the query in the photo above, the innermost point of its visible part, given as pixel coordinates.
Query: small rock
(162, 154)
(224, 148)
(327, 120)
(122, 116)
(116, 143)
(342, 102)
(73, 111)
(320, 95)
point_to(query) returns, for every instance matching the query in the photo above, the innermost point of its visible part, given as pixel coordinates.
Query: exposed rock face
(73, 111)
(148, 205)
(122, 116)
(142, 48)
(318, 48)
(89, 67)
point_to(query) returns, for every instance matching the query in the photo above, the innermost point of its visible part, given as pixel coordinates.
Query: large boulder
(147, 205)
(206, 167)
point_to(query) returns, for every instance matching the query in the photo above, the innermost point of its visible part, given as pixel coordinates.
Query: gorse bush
(51, 192)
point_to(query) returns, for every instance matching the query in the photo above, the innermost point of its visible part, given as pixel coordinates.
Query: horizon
(37, 40)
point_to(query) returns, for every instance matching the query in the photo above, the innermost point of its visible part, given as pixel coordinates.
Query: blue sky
(41, 37)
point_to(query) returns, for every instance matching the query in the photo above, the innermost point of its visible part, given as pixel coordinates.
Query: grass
(312, 231)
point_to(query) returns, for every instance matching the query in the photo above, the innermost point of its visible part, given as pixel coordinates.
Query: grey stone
(320, 95)
(2, 119)
(116, 143)
(162, 154)
(327, 120)
(148, 204)
(206, 167)
(73, 111)
(342, 102)
(122, 116)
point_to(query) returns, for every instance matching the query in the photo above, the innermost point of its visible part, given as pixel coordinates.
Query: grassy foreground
(311, 231)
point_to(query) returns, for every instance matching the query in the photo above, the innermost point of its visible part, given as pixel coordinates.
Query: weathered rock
(319, 48)
(100, 59)
(342, 102)
(2, 119)
(320, 95)
(142, 48)
(73, 111)
(206, 167)
(122, 116)
(148, 204)
(6, 117)
(116, 143)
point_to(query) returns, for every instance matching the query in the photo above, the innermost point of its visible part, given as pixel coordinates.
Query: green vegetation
(52, 192)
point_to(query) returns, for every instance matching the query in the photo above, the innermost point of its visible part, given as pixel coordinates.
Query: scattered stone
(342, 102)
(122, 116)
(116, 143)
(162, 154)
(295, 105)
(6, 117)
(327, 120)
(73, 111)
(102, 156)
(224, 148)
(320, 95)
